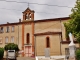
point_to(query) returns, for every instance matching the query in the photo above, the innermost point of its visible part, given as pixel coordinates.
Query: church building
(35, 36)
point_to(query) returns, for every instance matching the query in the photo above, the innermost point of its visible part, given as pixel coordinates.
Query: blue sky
(12, 11)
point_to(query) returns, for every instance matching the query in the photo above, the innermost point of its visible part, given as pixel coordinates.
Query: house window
(1, 39)
(12, 39)
(28, 38)
(6, 39)
(7, 30)
(47, 42)
(12, 29)
(1, 30)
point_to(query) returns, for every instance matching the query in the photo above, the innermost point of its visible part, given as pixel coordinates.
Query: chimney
(7, 22)
(19, 20)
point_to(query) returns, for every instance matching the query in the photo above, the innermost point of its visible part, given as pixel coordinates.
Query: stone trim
(47, 33)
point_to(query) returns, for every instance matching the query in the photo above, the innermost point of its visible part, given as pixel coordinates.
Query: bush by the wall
(1, 53)
(78, 54)
(11, 46)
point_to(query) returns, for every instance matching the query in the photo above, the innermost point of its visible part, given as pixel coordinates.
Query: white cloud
(13, 15)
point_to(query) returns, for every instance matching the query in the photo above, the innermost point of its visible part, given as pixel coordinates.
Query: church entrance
(28, 51)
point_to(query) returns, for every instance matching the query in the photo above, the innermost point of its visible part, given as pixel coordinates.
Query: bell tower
(28, 15)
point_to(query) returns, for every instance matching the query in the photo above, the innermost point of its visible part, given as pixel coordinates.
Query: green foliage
(1, 53)
(78, 37)
(73, 25)
(78, 54)
(69, 27)
(11, 46)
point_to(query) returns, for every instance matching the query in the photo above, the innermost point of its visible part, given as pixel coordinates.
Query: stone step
(25, 58)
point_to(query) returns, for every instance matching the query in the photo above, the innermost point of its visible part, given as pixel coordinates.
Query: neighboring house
(33, 36)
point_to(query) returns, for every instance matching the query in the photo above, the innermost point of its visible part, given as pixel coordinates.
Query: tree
(11, 46)
(73, 25)
(1, 53)
(78, 54)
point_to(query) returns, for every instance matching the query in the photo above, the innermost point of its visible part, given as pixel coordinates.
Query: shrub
(1, 53)
(11, 46)
(78, 54)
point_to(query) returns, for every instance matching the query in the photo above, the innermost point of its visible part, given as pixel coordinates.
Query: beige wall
(47, 26)
(27, 29)
(54, 44)
(17, 36)
(53, 26)
(9, 34)
(20, 37)
(40, 45)
(40, 41)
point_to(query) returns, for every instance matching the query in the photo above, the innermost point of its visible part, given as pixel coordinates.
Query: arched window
(28, 38)
(30, 16)
(47, 42)
(27, 16)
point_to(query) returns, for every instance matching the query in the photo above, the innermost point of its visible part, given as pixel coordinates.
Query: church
(35, 36)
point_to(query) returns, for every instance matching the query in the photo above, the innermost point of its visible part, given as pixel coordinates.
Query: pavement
(50, 58)
(41, 58)
(25, 58)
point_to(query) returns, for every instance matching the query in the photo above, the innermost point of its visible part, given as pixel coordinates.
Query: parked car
(11, 54)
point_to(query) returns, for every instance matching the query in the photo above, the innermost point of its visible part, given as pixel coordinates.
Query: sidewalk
(25, 58)
(50, 58)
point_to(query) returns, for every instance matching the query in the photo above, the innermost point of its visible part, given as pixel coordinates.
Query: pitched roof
(28, 9)
(36, 21)
(53, 19)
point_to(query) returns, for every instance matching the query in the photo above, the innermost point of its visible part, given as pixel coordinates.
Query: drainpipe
(35, 46)
(60, 36)
(60, 44)
(18, 35)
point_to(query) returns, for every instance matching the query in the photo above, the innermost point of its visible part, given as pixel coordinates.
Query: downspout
(60, 44)
(60, 35)
(18, 35)
(34, 42)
